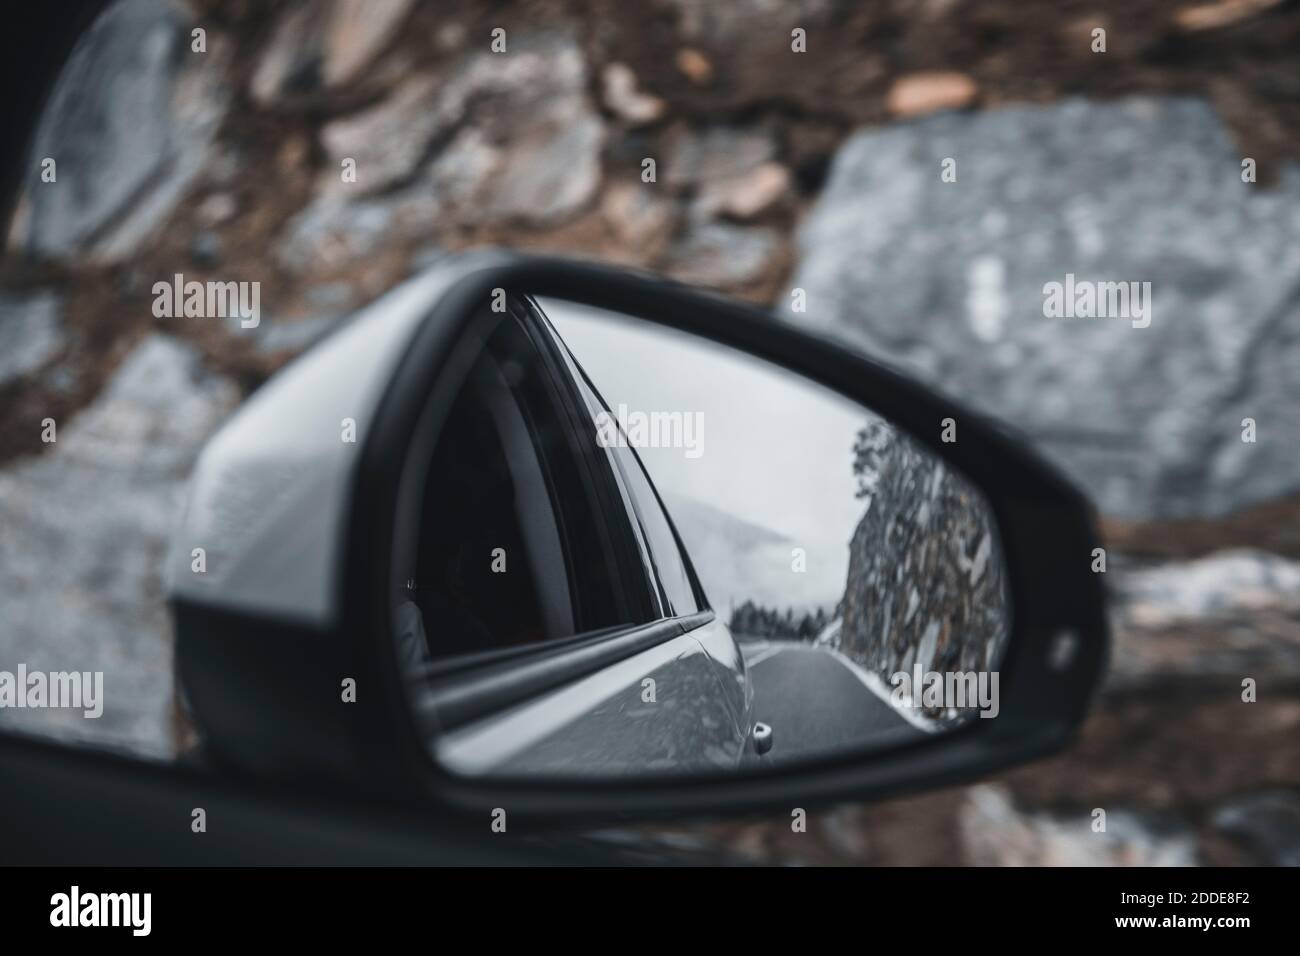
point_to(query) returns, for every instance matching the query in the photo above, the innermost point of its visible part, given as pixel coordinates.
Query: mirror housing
(298, 526)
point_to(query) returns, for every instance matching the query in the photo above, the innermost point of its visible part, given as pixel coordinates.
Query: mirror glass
(626, 550)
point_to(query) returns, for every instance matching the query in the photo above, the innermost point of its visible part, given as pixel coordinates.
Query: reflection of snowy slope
(738, 561)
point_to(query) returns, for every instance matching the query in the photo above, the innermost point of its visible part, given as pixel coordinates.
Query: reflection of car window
(669, 565)
(667, 560)
(511, 551)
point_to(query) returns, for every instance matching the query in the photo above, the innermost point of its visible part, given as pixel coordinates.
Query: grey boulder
(948, 279)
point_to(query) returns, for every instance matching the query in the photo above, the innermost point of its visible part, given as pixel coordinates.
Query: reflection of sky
(777, 450)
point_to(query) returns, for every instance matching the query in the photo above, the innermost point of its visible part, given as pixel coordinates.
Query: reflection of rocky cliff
(925, 582)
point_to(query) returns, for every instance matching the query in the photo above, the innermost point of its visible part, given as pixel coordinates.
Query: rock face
(720, 253)
(948, 279)
(730, 169)
(997, 833)
(926, 575)
(332, 231)
(728, 22)
(625, 100)
(495, 140)
(717, 154)
(456, 146)
(128, 127)
(324, 44)
(1230, 584)
(389, 140)
(358, 30)
(545, 129)
(1212, 622)
(85, 530)
(1268, 822)
(30, 333)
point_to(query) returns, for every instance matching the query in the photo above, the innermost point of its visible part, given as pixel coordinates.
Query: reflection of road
(815, 703)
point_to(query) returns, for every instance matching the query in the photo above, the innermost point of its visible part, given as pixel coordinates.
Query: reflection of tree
(753, 620)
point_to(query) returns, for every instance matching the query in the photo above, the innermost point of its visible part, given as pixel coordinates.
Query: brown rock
(359, 29)
(695, 65)
(389, 139)
(623, 97)
(637, 216)
(1213, 16)
(324, 43)
(290, 61)
(754, 193)
(922, 93)
(553, 172)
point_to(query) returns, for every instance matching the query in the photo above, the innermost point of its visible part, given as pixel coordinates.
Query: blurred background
(809, 181)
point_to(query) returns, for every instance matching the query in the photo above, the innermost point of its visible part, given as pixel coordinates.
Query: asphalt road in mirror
(815, 702)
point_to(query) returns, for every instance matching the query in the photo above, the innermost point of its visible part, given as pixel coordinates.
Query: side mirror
(578, 542)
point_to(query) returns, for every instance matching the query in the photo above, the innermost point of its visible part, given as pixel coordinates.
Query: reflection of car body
(546, 613)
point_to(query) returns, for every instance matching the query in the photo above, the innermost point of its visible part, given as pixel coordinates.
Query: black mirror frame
(1059, 640)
